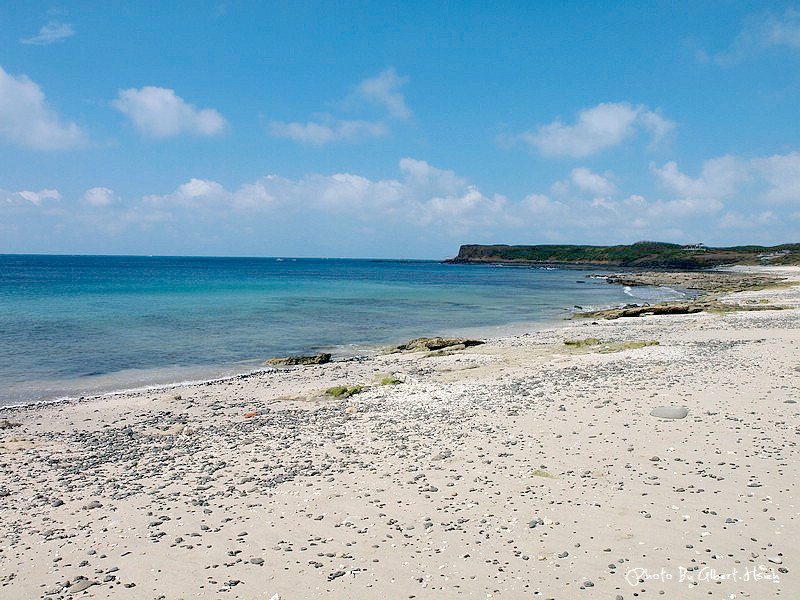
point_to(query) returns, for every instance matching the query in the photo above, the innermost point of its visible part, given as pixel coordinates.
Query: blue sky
(362, 129)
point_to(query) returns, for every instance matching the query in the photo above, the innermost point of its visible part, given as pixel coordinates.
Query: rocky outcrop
(436, 343)
(288, 361)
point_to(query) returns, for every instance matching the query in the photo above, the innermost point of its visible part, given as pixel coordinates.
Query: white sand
(517, 469)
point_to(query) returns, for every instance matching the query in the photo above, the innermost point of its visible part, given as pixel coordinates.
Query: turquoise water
(80, 325)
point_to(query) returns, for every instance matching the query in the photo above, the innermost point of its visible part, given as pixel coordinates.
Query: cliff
(651, 255)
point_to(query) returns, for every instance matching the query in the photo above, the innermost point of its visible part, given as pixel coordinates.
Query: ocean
(73, 326)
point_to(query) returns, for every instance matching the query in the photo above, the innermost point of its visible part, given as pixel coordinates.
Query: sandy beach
(521, 468)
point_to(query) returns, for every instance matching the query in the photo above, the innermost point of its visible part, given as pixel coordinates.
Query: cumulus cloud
(50, 33)
(782, 172)
(719, 178)
(757, 35)
(26, 119)
(593, 183)
(319, 134)
(602, 126)
(34, 198)
(384, 89)
(99, 197)
(440, 208)
(159, 113)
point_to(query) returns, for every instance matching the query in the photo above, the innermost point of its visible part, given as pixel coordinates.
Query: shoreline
(524, 467)
(341, 353)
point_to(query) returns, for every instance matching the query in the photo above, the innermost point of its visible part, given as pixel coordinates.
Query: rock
(313, 359)
(670, 412)
(436, 343)
(81, 585)
(775, 559)
(6, 424)
(93, 504)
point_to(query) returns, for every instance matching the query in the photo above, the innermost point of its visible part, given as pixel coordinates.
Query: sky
(375, 130)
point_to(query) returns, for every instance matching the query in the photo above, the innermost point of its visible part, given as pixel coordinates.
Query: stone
(81, 585)
(437, 343)
(670, 412)
(288, 361)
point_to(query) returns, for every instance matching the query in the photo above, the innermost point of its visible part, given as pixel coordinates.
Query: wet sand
(521, 468)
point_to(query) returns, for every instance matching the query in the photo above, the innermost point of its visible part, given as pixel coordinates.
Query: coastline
(523, 467)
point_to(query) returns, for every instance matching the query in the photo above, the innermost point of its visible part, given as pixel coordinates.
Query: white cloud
(37, 198)
(26, 120)
(602, 126)
(99, 197)
(782, 172)
(757, 35)
(719, 178)
(384, 89)
(50, 33)
(587, 181)
(159, 113)
(319, 134)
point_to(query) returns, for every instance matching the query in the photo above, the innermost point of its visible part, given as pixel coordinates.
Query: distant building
(700, 247)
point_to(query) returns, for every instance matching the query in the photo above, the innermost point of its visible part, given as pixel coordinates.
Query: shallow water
(80, 325)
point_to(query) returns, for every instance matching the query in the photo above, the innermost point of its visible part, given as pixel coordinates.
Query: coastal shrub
(342, 391)
(390, 380)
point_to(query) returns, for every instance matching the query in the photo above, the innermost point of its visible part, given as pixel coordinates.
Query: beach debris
(670, 412)
(6, 424)
(436, 343)
(250, 414)
(289, 361)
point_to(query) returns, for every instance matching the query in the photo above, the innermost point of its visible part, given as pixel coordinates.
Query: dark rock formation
(313, 359)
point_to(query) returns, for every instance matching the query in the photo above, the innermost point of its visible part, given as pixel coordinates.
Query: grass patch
(390, 380)
(583, 343)
(342, 391)
(608, 347)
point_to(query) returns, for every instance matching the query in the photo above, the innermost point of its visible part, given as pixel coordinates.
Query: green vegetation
(342, 391)
(583, 343)
(390, 380)
(641, 254)
(608, 347)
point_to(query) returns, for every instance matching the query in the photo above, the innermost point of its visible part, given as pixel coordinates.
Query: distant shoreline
(648, 255)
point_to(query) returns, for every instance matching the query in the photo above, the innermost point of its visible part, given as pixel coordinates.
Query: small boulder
(670, 412)
(288, 361)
